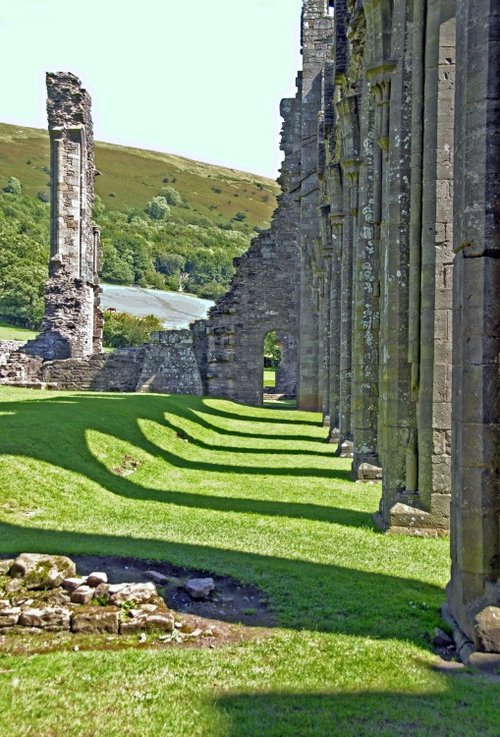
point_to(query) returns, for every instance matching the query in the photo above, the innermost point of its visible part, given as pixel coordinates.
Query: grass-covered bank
(253, 493)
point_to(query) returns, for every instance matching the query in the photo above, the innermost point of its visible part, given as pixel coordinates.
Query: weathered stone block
(95, 621)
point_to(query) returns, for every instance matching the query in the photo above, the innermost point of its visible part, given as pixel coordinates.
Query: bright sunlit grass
(252, 493)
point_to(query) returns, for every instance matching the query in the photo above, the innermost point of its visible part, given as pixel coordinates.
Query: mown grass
(13, 332)
(252, 493)
(269, 377)
(132, 176)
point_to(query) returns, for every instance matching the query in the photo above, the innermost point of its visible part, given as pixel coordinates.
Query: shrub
(171, 196)
(158, 209)
(122, 329)
(13, 186)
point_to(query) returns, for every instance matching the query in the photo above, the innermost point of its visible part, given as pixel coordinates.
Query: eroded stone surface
(40, 571)
(96, 620)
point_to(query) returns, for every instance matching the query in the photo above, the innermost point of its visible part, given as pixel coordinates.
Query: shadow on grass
(453, 711)
(208, 409)
(53, 430)
(304, 595)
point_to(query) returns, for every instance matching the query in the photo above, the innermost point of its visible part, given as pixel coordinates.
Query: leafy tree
(158, 209)
(272, 350)
(122, 329)
(169, 263)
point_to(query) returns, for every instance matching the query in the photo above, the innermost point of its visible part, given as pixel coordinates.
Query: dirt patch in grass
(233, 613)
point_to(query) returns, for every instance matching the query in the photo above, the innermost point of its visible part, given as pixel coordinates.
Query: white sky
(199, 78)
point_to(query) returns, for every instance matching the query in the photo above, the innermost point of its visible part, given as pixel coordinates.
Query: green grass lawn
(12, 332)
(269, 377)
(252, 493)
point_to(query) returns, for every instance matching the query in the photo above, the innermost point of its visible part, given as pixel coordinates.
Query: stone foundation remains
(43, 592)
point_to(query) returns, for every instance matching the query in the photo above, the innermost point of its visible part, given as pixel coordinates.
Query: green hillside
(132, 176)
(166, 222)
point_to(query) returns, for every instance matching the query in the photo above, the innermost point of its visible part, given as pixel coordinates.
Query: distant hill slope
(132, 176)
(166, 222)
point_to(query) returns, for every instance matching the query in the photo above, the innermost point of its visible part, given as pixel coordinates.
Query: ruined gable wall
(263, 294)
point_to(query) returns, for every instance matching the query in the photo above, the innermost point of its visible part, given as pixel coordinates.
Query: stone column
(436, 270)
(350, 168)
(336, 220)
(396, 413)
(72, 324)
(317, 37)
(474, 589)
(366, 293)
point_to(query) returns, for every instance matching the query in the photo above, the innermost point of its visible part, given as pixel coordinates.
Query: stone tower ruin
(72, 323)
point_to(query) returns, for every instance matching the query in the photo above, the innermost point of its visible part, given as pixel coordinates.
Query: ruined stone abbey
(380, 271)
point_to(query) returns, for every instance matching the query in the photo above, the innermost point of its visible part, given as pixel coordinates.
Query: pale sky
(199, 78)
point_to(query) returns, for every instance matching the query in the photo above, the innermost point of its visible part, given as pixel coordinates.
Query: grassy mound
(252, 493)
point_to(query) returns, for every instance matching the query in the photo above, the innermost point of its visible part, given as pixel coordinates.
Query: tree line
(148, 247)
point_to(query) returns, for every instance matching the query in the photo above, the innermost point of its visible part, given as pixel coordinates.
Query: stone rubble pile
(43, 592)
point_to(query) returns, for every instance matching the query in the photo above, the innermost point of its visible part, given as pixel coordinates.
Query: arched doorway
(279, 367)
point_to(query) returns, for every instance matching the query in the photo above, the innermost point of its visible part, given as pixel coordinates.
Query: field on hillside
(166, 222)
(256, 494)
(129, 177)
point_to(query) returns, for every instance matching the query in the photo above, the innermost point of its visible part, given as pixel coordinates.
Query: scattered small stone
(82, 595)
(96, 578)
(487, 626)
(70, 584)
(158, 578)
(369, 472)
(137, 593)
(76, 648)
(199, 588)
(347, 449)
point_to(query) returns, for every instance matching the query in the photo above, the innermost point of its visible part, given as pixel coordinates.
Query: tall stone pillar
(366, 309)
(72, 323)
(397, 447)
(317, 37)
(474, 589)
(436, 270)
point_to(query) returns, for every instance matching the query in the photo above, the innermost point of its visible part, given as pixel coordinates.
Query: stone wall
(264, 292)
(167, 365)
(382, 203)
(7, 347)
(375, 243)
